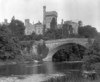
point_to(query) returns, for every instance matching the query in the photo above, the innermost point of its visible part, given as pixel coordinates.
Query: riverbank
(9, 62)
(12, 62)
(26, 78)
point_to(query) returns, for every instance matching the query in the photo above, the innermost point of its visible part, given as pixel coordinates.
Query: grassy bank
(69, 78)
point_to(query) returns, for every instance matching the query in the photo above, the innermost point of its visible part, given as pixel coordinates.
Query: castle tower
(44, 18)
(62, 22)
(5, 21)
(27, 21)
(80, 24)
(48, 16)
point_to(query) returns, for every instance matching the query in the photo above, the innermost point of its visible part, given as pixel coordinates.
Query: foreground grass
(70, 79)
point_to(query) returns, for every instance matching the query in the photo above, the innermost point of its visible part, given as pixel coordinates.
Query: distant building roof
(70, 22)
(39, 23)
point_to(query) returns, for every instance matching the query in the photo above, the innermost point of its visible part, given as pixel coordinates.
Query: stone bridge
(55, 45)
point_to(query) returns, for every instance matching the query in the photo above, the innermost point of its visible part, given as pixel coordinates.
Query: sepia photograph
(49, 40)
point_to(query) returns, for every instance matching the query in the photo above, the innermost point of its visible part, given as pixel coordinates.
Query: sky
(88, 11)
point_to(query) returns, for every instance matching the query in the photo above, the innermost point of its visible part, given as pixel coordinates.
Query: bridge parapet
(81, 41)
(67, 39)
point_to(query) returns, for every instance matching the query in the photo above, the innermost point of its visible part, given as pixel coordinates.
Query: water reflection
(31, 68)
(50, 67)
(9, 70)
(44, 68)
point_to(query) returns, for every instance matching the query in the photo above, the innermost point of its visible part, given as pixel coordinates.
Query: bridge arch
(55, 50)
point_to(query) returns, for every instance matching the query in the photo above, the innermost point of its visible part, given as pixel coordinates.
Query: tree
(49, 34)
(17, 28)
(53, 34)
(70, 52)
(39, 37)
(29, 37)
(9, 46)
(65, 29)
(80, 23)
(53, 24)
(87, 31)
(42, 50)
(92, 55)
(58, 33)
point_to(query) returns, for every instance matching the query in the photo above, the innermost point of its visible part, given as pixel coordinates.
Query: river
(39, 72)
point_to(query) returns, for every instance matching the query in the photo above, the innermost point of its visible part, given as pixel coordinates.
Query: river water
(38, 72)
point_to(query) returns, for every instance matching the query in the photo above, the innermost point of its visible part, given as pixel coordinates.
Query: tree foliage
(17, 28)
(87, 31)
(42, 50)
(53, 24)
(92, 55)
(9, 47)
(70, 52)
(33, 36)
(53, 34)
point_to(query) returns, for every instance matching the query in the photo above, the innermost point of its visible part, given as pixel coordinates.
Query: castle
(48, 16)
(38, 27)
(30, 28)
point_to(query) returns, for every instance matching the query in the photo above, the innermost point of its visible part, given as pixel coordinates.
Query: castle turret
(44, 18)
(27, 21)
(80, 24)
(48, 16)
(5, 21)
(62, 22)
